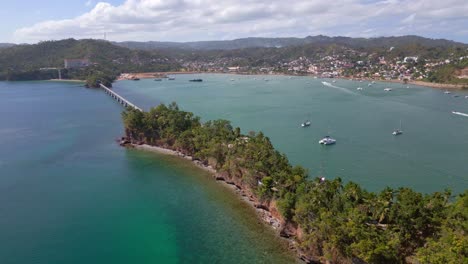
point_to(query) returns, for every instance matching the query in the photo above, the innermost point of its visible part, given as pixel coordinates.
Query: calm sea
(70, 194)
(430, 155)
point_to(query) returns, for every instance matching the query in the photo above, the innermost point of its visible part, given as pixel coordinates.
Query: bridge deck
(119, 98)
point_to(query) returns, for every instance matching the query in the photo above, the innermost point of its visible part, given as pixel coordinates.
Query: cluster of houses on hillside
(349, 64)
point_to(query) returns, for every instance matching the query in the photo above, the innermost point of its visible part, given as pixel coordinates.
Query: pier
(119, 98)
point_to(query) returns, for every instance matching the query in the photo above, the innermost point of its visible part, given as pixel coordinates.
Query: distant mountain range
(6, 45)
(285, 42)
(23, 61)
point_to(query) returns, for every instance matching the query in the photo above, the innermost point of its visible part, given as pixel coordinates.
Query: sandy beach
(67, 80)
(149, 75)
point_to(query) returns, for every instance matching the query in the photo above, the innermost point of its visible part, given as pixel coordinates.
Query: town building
(76, 63)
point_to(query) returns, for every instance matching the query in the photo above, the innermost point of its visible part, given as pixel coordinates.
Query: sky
(31, 21)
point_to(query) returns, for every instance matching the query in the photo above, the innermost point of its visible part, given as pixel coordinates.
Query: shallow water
(70, 194)
(429, 156)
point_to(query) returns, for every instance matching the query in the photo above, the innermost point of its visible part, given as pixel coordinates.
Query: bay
(70, 194)
(429, 156)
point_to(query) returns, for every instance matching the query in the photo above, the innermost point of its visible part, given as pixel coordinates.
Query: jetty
(119, 98)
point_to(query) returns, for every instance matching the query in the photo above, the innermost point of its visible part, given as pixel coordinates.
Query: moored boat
(305, 124)
(398, 131)
(327, 140)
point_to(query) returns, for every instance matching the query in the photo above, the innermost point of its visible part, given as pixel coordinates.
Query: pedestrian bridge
(119, 98)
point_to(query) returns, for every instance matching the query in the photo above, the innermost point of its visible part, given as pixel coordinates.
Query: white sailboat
(306, 123)
(397, 132)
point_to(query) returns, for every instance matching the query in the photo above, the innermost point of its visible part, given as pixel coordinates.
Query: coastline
(263, 212)
(151, 75)
(67, 80)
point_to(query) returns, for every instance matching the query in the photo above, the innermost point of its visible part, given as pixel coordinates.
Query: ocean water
(430, 155)
(70, 194)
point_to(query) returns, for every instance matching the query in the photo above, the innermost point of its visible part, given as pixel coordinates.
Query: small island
(325, 220)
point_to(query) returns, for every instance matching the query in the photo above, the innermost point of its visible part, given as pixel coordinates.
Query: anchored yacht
(327, 140)
(398, 131)
(305, 124)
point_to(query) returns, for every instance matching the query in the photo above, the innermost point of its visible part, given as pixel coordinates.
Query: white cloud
(89, 3)
(187, 20)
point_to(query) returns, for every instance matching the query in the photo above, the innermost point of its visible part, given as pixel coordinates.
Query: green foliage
(450, 245)
(339, 221)
(23, 62)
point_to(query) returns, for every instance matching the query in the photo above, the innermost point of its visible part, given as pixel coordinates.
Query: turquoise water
(431, 154)
(69, 194)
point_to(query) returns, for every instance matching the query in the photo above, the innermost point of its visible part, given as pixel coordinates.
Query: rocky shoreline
(268, 213)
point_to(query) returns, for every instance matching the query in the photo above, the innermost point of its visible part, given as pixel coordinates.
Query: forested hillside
(24, 62)
(286, 42)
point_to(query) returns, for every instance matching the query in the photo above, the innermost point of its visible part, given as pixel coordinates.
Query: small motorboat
(327, 140)
(359, 88)
(305, 124)
(171, 78)
(387, 89)
(447, 92)
(196, 80)
(157, 80)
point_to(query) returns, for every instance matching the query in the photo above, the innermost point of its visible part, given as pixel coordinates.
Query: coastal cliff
(326, 221)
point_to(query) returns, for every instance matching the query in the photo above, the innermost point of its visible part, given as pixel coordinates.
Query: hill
(6, 45)
(23, 62)
(286, 42)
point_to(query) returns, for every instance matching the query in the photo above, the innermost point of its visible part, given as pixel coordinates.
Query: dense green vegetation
(287, 42)
(339, 221)
(108, 60)
(448, 73)
(24, 62)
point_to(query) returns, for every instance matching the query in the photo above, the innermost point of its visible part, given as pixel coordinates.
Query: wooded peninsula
(331, 221)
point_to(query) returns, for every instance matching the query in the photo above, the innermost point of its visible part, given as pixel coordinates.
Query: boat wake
(459, 113)
(337, 87)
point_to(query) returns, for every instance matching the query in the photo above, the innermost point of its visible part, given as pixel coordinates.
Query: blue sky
(31, 21)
